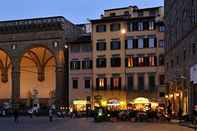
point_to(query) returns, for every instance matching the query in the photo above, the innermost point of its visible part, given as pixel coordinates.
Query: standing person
(16, 115)
(50, 115)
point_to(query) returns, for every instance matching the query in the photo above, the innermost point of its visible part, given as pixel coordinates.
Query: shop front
(112, 104)
(143, 104)
(80, 105)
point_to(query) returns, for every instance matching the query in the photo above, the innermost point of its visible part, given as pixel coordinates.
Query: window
(161, 44)
(87, 83)
(129, 62)
(184, 54)
(152, 43)
(172, 63)
(101, 28)
(152, 13)
(116, 83)
(140, 26)
(146, 40)
(140, 43)
(162, 79)
(151, 82)
(75, 65)
(140, 13)
(101, 83)
(146, 25)
(135, 43)
(126, 13)
(130, 26)
(141, 61)
(100, 46)
(162, 28)
(75, 83)
(130, 83)
(87, 64)
(177, 59)
(112, 14)
(135, 26)
(194, 48)
(101, 62)
(151, 25)
(129, 44)
(86, 48)
(161, 59)
(115, 62)
(141, 82)
(152, 61)
(115, 44)
(115, 27)
(75, 48)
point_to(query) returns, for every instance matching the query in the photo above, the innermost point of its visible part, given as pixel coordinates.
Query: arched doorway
(38, 76)
(5, 75)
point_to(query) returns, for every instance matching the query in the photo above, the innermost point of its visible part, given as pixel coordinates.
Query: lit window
(116, 82)
(152, 61)
(141, 61)
(130, 62)
(101, 82)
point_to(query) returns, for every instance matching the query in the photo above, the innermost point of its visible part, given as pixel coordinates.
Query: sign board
(193, 74)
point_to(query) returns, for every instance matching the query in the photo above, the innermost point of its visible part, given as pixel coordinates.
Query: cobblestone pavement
(83, 124)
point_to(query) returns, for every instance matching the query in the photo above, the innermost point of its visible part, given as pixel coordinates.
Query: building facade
(181, 42)
(128, 55)
(80, 72)
(34, 60)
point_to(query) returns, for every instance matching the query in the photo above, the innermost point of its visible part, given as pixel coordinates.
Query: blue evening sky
(77, 11)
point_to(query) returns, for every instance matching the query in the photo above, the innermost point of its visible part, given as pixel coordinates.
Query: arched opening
(37, 76)
(5, 75)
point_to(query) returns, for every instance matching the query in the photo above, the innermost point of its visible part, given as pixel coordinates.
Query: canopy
(141, 100)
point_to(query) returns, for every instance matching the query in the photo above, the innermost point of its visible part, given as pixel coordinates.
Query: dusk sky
(77, 11)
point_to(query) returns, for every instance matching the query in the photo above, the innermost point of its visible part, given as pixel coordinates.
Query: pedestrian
(16, 115)
(50, 115)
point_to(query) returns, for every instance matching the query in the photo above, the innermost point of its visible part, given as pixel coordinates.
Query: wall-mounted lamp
(55, 44)
(66, 46)
(13, 47)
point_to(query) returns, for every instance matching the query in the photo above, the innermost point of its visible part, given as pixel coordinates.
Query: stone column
(16, 80)
(146, 83)
(61, 91)
(135, 81)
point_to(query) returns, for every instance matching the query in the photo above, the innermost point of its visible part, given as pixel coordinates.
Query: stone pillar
(146, 83)
(61, 91)
(16, 80)
(135, 81)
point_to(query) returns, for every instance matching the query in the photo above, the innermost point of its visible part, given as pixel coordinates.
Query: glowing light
(177, 94)
(123, 31)
(166, 96)
(79, 102)
(141, 100)
(171, 95)
(103, 103)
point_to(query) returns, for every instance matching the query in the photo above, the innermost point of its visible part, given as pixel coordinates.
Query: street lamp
(123, 32)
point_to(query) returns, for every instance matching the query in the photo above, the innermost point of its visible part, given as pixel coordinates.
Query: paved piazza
(84, 124)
